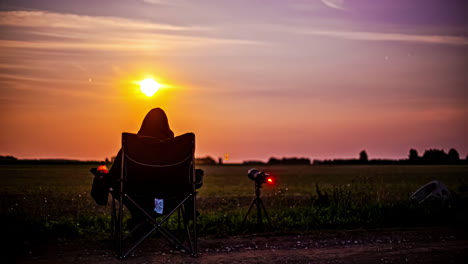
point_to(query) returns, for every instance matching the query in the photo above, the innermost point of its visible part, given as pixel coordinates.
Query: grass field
(54, 199)
(396, 181)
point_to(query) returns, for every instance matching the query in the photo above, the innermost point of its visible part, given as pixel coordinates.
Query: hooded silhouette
(156, 125)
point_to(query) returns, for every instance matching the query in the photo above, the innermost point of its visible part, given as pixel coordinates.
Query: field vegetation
(53, 201)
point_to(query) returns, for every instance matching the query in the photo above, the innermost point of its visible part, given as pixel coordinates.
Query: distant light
(270, 180)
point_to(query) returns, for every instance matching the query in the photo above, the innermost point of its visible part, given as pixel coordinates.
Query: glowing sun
(149, 86)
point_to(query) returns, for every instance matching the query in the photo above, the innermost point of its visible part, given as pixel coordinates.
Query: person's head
(156, 125)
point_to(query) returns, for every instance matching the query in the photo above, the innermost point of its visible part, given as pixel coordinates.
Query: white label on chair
(158, 205)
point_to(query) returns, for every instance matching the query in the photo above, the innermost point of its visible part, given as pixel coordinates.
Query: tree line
(14, 160)
(430, 156)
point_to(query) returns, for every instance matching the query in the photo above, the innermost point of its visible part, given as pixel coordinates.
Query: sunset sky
(251, 78)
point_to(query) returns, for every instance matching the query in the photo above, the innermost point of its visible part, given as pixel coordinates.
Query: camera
(259, 177)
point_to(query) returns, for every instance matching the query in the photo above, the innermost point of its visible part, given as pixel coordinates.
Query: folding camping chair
(156, 180)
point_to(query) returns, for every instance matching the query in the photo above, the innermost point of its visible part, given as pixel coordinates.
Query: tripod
(257, 201)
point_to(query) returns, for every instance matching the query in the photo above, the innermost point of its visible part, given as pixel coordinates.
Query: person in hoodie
(155, 125)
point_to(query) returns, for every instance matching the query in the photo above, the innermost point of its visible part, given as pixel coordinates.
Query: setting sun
(149, 86)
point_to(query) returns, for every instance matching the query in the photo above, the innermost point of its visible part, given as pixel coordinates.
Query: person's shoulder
(186, 135)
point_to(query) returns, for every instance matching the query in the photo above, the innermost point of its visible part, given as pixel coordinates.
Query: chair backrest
(158, 168)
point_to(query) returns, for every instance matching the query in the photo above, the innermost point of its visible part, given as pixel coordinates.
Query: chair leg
(113, 224)
(120, 230)
(187, 231)
(179, 212)
(190, 229)
(195, 237)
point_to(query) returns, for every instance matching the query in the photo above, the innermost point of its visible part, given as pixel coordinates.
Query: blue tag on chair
(158, 205)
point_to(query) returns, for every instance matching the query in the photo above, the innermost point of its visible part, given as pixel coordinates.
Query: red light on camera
(270, 180)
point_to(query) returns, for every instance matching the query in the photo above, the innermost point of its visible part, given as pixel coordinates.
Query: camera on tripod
(260, 177)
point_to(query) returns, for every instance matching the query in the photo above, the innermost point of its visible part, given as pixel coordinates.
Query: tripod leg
(248, 212)
(266, 214)
(259, 212)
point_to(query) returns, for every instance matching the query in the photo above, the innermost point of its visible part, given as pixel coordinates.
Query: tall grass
(54, 200)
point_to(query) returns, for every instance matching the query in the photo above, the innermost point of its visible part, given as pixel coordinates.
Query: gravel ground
(415, 245)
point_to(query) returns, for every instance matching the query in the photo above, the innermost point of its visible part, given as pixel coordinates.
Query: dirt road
(416, 245)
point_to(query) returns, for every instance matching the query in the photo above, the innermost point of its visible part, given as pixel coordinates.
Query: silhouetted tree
(205, 161)
(295, 161)
(289, 161)
(8, 159)
(453, 155)
(363, 157)
(253, 162)
(435, 156)
(274, 161)
(413, 155)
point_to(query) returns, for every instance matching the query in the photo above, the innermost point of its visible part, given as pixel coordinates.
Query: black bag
(199, 178)
(100, 188)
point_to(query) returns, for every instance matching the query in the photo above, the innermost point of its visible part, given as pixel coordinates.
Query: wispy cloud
(336, 4)
(16, 77)
(69, 31)
(377, 36)
(57, 20)
(164, 2)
